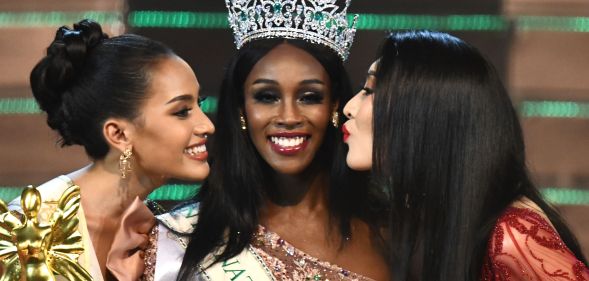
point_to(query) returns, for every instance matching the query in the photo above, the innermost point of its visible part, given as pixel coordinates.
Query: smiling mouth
(197, 152)
(288, 144)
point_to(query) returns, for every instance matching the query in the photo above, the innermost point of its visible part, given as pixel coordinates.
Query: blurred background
(540, 47)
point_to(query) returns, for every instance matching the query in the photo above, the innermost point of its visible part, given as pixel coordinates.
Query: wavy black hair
(231, 197)
(449, 147)
(86, 78)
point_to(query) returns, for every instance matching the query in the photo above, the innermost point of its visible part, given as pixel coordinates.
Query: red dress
(525, 246)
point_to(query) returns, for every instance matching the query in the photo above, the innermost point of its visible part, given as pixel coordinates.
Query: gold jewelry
(335, 119)
(242, 122)
(125, 162)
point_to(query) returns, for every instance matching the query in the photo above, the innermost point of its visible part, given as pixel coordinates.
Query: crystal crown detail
(316, 21)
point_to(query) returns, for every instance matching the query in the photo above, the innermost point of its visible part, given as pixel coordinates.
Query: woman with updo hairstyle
(437, 129)
(134, 106)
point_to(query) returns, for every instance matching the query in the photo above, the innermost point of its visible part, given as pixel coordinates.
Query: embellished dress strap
(289, 263)
(525, 246)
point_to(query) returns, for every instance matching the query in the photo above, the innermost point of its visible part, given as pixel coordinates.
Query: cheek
(365, 117)
(319, 116)
(256, 115)
(163, 142)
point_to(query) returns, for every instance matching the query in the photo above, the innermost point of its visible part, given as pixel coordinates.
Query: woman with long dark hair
(437, 129)
(134, 107)
(280, 203)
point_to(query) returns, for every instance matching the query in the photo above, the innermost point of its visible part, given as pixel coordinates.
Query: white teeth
(195, 150)
(287, 142)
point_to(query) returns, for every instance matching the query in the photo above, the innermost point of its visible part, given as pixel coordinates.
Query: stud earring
(125, 162)
(335, 119)
(242, 122)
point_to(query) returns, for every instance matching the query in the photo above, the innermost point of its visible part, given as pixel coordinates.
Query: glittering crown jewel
(316, 21)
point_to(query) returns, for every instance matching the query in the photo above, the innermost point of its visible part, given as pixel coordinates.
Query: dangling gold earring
(242, 122)
(125, 162)
(335, 119)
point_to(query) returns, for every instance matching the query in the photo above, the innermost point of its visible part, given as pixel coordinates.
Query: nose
(352, 106)
(202, 124)
(289, 115)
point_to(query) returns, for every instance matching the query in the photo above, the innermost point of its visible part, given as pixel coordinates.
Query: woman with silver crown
(134, 106)
(279, 204)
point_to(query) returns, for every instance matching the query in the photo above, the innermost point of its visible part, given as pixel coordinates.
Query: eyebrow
(265, 81)
(186, 97)
(311, 81)
(273, 82)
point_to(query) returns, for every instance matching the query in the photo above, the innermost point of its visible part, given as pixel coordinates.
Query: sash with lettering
(174, 230)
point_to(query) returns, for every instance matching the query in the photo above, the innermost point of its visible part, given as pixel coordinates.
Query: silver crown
(316, 21)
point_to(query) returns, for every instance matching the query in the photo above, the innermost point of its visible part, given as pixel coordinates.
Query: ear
(335, 105)
(117, 133)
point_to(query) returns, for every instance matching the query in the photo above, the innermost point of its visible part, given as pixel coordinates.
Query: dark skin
(288, 95)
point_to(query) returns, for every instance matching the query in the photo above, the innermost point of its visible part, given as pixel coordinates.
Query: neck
(104, 191)
(105, 197)
(301, 194)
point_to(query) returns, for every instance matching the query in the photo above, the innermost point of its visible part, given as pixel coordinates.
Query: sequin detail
(525, 246)
(150, 255)
(289, 263)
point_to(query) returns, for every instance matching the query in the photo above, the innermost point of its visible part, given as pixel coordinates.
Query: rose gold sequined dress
(288, 263)
(525, 246)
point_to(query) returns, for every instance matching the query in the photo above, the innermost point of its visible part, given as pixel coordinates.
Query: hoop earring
(335, 119)
(125, 162)
(242, 122)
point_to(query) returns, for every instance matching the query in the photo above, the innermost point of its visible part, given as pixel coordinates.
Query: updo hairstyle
(87, 77)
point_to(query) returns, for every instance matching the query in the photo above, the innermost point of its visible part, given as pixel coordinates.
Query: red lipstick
(288, 150)
(346, 133)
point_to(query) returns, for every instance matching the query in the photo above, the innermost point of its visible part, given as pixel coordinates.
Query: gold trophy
(34, 251)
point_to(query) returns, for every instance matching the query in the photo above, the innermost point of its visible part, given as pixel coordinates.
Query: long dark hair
(87, 77)
(233, 193)
(449, 147)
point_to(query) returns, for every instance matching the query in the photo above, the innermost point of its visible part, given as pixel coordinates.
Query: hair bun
(75, 44)
(53, 75)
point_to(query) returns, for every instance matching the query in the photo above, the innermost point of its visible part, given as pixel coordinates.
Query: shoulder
(524, 244)
(50, 192)
(520, 222)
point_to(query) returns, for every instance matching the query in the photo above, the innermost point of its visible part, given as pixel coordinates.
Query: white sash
(174, 230)
(247, 266)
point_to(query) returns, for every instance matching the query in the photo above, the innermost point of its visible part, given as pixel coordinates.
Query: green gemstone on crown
(319, 16)
(242, 16)
(277, 7)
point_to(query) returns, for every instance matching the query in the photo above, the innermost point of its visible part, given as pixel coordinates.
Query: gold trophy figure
(34, 251)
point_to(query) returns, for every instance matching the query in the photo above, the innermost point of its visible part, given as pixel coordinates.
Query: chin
(357, 164)
(197, 174)
(289, 169)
